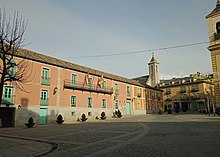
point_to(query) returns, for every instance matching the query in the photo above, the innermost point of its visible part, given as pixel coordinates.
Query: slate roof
(30, 55)
(153, 60)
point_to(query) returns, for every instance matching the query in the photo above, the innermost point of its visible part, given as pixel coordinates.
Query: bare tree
(12, 29)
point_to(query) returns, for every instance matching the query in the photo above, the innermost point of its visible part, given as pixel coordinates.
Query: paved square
(177, 135)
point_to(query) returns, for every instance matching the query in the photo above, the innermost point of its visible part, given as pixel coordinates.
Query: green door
(74, 80)
(43, 116)
(128, 108)
(45, 76)
(8, 95)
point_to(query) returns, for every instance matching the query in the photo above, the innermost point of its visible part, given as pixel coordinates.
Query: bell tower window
(218, 27)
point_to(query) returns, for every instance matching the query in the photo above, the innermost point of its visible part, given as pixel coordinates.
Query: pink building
(58, 87)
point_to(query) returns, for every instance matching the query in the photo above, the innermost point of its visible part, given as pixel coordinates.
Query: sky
(67, 29)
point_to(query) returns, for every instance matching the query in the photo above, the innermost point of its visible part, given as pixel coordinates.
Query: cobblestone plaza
(154, 135)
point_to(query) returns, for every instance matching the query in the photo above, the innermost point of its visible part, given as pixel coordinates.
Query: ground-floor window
(89, 102)
(103, 103)
(73, 101)
(116, 104)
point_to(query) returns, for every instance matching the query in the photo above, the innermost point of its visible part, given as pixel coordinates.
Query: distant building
(154, 99)
(188, 93)
(213, 20)
(154, 75)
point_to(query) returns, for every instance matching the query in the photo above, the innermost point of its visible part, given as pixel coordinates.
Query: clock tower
(213, 20)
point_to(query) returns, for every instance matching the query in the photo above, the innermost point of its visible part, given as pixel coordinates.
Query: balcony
(167, 92)
(44, 101)
(195, 90)
(90, 87)
(128, 94)
(116, 91)
(195, 97)
(168, 99)
(183, 91)
(45, 81)
(184, 97)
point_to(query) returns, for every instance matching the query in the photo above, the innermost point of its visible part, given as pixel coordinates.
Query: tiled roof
(215, 11)
(27, 54)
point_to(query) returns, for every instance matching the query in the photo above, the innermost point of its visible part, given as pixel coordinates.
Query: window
(74, 80)
(116, 104)
(73, 101)
(168, 91)
(44, 97)
(104, 86)
(138, 92)
(183, 89)
(45, 76)
(195, 88)
(103, 103)
(8, 94)
(116, 89)
(218, 27)
(128, 91)
(139, 106)
(89, 102)
(11, 69)
(90, 83)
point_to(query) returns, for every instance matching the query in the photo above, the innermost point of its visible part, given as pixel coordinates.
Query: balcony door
(8, 95)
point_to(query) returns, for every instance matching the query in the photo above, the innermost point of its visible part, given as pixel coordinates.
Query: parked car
(217, 110)
(202, 110)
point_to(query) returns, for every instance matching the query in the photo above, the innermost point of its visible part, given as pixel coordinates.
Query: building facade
(188, 93)
(58, 87)
(213, 20)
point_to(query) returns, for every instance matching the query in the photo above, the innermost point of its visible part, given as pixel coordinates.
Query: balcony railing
(168, 99)
(195, 97)
(167, 92)
(89, 87)
(116, 91)
(195, 90)
(182, 91)
(184, 97)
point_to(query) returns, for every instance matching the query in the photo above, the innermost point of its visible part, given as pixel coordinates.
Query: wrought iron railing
(87, 87)
(45, 81)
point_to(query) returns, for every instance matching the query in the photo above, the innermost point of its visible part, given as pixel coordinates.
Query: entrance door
(184, 106)
(7, 116)
(128, 108)
(43, 116)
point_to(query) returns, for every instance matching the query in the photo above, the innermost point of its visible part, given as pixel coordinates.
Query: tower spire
(218, 3)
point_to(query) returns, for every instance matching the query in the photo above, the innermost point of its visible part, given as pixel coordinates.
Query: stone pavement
(147, 135)
(12, 147)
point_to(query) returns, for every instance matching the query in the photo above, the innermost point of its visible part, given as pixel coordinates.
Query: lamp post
(210, 100)
(208, 107)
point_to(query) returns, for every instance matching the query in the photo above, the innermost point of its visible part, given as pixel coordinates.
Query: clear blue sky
(69, 28)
